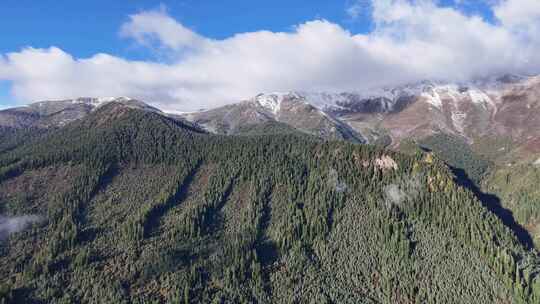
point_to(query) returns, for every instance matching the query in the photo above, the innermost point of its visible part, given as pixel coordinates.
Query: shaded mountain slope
(137, 207)
(287, 109)
(57, 113)
(517, 187)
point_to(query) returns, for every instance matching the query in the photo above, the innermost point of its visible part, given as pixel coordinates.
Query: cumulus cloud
(518, 13)
(150, 27)
(412, 40)
(10, 225)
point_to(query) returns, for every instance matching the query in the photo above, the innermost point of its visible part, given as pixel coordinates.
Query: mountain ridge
(494, 108)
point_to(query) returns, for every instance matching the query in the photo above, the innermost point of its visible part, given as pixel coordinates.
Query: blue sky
(83, 29)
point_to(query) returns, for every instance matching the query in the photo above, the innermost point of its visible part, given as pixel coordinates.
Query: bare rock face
(291, 109)
(386, 162)
(500, 109)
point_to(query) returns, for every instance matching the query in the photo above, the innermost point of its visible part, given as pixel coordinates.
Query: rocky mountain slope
(476, 113)
(492, 110)
(287, 108)
(57, 113)
(131, 206)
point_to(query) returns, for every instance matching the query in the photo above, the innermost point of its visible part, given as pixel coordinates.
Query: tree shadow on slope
(89, 233)
(157, 212)
(493, 204)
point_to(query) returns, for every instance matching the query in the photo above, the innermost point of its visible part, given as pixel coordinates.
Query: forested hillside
(128, 206)
(517, 186)
(506, 180)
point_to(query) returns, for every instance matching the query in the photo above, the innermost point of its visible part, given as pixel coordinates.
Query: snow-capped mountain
(380, 100)
(57, 113)
(493, 107)
(394, 99)
(488, 109)
(291, 109)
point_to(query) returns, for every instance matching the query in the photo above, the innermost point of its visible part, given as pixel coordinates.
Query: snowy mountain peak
(273, 101)
(455, 93)
(103, 100)
(86, 104)
(392, 99)
(97, 102)
(90, 101)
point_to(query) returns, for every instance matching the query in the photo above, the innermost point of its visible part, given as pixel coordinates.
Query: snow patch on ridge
(433, 98)
(434, 93)
(271, 101)
(458, 120)
(324, 100)
(97, 102)
(94, 102)
(532, 80)
(481, 98)
(387, 97)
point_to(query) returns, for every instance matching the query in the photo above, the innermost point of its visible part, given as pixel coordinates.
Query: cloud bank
(412, 40)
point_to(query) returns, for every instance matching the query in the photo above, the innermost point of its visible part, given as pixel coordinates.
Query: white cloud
(359, 8)
(156, 26)
(354, 11)
(411, 41)
(517, 13)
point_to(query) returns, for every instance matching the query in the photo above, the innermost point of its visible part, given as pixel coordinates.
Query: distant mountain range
(504, 107)
(492, 109)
